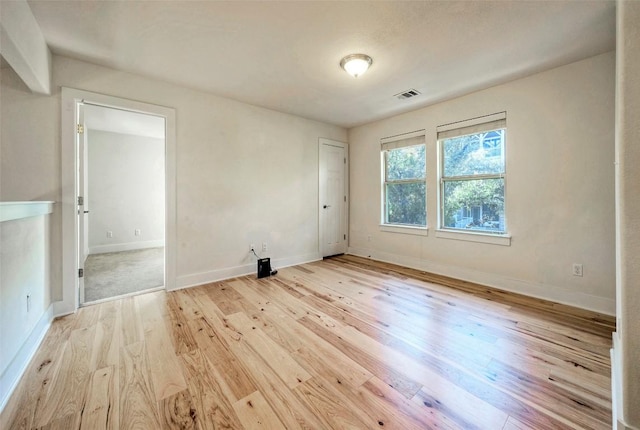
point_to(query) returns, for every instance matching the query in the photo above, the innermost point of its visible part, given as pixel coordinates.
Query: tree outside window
(473, 172)
(405, 189)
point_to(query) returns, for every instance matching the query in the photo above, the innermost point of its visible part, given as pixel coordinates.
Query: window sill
(403, 229)
(493, 239)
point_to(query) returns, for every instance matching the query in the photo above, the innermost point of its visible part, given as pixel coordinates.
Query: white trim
(405, 229)
(472, 122)
(123, 296)
(197, 279)
(17, 210)
(403, 136)
(127, 246)
(616, 385)
(69, 99)
(553, 293)
(13, 373)
(24, 46)
(412, 138)
(473, 236)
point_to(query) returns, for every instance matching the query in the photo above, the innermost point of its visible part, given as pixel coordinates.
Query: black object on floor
(264, 267)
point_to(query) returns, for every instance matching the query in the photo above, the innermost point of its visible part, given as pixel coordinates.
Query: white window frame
(462, 128)
(414, 138)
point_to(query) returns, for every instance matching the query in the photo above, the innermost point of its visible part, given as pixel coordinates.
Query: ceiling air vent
(407, 94)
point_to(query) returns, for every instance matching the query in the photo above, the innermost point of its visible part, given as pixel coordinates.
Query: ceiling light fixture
(356, 64)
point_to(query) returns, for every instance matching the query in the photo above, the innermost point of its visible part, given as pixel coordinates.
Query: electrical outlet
(253, 247)
(577, 269)
(264, 247)
(109, 234)
(137, 232)
(368, 238)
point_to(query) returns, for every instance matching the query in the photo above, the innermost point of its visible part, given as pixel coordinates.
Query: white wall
(30, 154)
(244, 174)
(559, 187)
(24, 272)
(25, 311)
(29, 170)
(125, 191)
(626, 352)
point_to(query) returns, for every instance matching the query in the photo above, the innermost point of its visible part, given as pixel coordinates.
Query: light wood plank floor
(345, 343)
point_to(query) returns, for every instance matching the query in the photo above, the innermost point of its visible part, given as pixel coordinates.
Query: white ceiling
(285, 55)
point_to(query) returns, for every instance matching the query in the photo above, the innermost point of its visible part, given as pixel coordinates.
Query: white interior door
(81, 145)
(333, 197)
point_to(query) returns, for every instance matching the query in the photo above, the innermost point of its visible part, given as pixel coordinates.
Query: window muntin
(404, 187)
(473, 178)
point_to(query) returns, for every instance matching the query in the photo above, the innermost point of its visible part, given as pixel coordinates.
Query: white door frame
(69, 302)
(81, 181)
(322, 141)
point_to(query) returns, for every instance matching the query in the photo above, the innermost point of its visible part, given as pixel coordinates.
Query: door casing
(69, 302)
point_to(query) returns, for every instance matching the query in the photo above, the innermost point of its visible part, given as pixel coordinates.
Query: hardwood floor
(341, 343)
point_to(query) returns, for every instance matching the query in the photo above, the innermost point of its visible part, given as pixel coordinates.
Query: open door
(333, 197)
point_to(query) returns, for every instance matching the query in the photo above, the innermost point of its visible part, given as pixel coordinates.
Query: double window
(404, 180)
(472, 167)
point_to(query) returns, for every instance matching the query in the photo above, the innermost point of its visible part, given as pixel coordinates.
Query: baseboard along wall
(18, 365)
(128, 246)
(245, 269)
(553, 293)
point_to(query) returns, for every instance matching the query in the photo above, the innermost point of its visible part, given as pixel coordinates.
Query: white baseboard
(16, 368)
(615, 379)
(542, 291)
(63, 308)
(233, 272)
(616, 387)
(128, 246)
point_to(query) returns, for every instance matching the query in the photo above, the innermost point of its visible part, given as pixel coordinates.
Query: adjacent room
(325, 215)
(123, 164)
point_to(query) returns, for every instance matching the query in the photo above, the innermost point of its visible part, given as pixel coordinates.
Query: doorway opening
(74, 248)
(121, 179)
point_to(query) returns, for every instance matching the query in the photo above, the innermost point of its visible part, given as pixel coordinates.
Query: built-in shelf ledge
(17, 210)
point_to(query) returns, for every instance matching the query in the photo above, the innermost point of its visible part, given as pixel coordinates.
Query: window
(404, 190)
(472, 157)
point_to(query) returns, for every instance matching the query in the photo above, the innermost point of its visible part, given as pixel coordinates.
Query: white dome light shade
(356, 64)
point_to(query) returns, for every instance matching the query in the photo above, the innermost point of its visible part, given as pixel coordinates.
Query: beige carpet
(116, 273)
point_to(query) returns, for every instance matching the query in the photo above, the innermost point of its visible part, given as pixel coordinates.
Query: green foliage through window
(405, 189)
(473, 182)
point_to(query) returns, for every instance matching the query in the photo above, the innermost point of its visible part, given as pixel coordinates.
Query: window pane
(406, 203)
(474, 205)
(406, 163)
(474, 154)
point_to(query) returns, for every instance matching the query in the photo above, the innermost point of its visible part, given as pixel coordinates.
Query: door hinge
(80, 273)
(345, 237)
(80, 128)
(345, 160)
(80, 200)
(345, 198)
